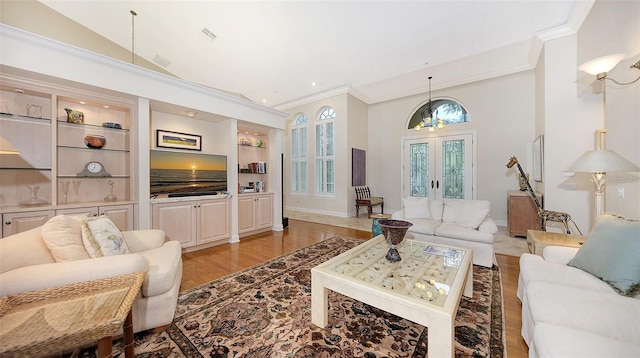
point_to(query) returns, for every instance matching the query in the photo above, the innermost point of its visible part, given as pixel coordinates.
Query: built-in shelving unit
(48, 177)
(252, 162)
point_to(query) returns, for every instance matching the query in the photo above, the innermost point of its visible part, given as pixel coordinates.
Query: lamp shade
(602, 161)
(601, 64)
(7, 148)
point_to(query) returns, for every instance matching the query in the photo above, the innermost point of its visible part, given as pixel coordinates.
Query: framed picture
(358, 167)
(538, 158)
(177, 140)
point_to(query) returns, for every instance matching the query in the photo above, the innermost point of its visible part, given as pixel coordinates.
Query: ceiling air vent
(208, 33)
(161, 61)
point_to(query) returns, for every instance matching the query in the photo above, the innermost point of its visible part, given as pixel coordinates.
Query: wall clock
(94, 169)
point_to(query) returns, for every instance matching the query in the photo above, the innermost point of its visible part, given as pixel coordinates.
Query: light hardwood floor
(209, 264)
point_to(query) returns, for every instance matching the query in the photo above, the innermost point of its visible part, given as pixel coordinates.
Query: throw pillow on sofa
(62, 235)
(473, 214)
(416, 208)
(611, 253)
(101, 237)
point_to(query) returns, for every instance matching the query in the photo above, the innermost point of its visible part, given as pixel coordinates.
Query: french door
(439, 167)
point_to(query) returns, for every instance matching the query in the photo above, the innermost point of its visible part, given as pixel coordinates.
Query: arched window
(299, 154)
(445, 112)
(325, 161)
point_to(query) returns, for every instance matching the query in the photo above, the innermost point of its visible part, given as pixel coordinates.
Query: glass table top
(425, 271)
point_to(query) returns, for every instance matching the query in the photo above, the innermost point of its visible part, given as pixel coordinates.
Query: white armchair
(27, 264)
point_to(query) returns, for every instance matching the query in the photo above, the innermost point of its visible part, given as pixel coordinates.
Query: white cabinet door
(121, 215)
(246, 214)
(177, 220)
(264, 211)
(213, 220)
(13, 223)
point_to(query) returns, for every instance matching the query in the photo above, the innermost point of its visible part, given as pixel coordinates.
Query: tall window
(325, 162)
(299, 154)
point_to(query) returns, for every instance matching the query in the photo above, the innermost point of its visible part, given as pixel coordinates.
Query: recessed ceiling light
(264, 100)
(82, 102)
(313, 83)
(105, 106)
(18, 90)
(191, 113)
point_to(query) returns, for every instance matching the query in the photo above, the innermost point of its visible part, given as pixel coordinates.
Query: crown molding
(13, 38)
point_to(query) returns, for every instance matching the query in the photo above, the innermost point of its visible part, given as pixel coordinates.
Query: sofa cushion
(551, 340)
(535, 268)
(63, 236)
(24, 249)
(424, 226)
(416, 208)
(436, 207)
(611, 253)
(101, 237)
(455, 231)
(606, 314)
(455, 208)
(164, 265)
(473, 214)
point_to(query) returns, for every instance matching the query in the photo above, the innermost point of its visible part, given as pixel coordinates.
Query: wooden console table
(522, 213)
(44, 322)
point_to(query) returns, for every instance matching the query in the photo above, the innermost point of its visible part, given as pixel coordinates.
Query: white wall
(614, 27)
(358, 137)
(572, 115)
(502, 113)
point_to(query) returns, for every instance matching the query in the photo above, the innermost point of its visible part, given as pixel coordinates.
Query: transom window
(447, 110)
(325, 161)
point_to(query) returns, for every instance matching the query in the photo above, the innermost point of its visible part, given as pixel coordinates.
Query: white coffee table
(424, 287)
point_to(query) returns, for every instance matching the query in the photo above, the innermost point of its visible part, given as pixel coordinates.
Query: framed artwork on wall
(358, 167)
(177, 140)
(538, 158)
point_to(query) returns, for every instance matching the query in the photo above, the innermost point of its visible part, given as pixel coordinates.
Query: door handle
(437, 184)
(432, 184)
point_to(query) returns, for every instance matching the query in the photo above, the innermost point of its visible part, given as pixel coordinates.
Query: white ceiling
(272, 51)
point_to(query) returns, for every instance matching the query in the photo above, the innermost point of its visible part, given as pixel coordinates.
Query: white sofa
(569, 312)
(27, 263)
(452, 222)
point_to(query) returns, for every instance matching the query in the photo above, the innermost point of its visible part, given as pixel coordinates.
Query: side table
(375, 228)
(44, 322)
(537, 240)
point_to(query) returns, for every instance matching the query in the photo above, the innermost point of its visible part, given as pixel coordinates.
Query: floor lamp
(601, 161)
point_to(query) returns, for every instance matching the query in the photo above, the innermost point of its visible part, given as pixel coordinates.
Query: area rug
(265, 311)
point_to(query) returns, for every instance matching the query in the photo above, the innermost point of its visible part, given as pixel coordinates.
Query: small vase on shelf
(110, 197)
(76, 188)
(65, 190)
(33, 197)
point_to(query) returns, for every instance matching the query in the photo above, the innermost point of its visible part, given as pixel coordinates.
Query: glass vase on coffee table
(394, 231)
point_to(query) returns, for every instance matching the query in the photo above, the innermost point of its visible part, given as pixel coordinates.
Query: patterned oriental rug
(265, 311)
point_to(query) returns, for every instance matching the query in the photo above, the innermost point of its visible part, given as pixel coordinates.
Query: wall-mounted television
(185, 174)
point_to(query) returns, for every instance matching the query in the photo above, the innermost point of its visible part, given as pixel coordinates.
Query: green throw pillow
(612, 253)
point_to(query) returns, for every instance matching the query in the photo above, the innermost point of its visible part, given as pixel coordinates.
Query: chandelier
(429, 117)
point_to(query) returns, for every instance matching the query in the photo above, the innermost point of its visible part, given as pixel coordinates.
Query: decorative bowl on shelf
(94, 141)
(112, 125)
